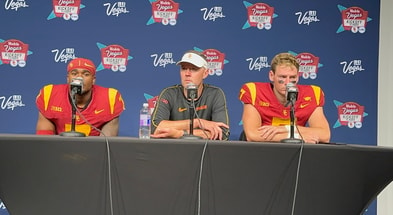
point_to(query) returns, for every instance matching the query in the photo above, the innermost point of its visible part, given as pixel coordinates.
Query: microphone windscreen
(192, 90)
(191, 86)
(76, 85)
(77, 81)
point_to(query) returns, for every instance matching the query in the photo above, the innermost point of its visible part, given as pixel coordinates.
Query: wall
(347, 64)
(385, 103)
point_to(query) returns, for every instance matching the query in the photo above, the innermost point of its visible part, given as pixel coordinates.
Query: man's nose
(284, 81)
(288, 80)
(79, 75)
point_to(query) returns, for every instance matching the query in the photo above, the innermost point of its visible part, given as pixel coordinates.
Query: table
(125, 175)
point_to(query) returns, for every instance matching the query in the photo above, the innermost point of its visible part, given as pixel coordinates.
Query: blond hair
(284, 59)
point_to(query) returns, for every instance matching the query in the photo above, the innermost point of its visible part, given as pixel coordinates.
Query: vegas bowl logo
(164, 11)
(260, 15)
(215, 61)
(350, 114)
(14, 52)
(354, 19)
(114, 57)
(308, 65)
(68, 9)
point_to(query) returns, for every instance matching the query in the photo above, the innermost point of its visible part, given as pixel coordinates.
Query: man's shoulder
(101, 89)
(173, 88)
(52, 94)
(211, 87)
(98, 87)
(256, 86)
(54, 88)
(309, 87)
(311, 90)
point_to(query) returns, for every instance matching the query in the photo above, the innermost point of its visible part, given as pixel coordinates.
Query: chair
(242, 136)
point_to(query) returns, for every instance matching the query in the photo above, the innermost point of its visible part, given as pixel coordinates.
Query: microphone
(192, 91)
(76, 85)
(291, 93)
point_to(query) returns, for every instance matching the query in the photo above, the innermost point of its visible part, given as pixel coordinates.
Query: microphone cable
(297, 173)
(202, 160)
(108, 156)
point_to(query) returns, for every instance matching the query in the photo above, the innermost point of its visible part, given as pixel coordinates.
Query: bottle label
(144, 120)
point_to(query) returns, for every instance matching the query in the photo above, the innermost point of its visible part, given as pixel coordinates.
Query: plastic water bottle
(144, 122)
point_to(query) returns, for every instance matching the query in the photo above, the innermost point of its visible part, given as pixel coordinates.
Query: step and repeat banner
(136, 44)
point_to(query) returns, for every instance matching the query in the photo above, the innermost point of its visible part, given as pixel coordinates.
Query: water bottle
(144, 122)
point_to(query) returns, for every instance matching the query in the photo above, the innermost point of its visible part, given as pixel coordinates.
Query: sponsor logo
(307, 17)
(350, 114)
(203, 107)
(56, 109)
(164, 11)
(68, 9)
(352, 66)
(2, 205)
(215, 61)
(182, 109)
(86, 64)
(163, 59)
(114, 57)
(98, 111)
(151, 101)
(304, 105)
(116, 9)
(354, 19)
(11, 102)
(308, 64)
(14, 52)
(15, 4)
(258, 63)
(164, 101)
(212, 14)
(264, 104)
(64, 55)
(259, 15)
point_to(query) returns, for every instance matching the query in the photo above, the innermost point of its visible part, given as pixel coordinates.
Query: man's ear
(205, 73)
(271, 75)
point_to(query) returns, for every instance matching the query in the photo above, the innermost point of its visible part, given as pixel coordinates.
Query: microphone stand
(73, 133)
(292, 138)
(191, 135)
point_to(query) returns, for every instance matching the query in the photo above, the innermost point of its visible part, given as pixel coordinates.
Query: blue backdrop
(135, 45)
